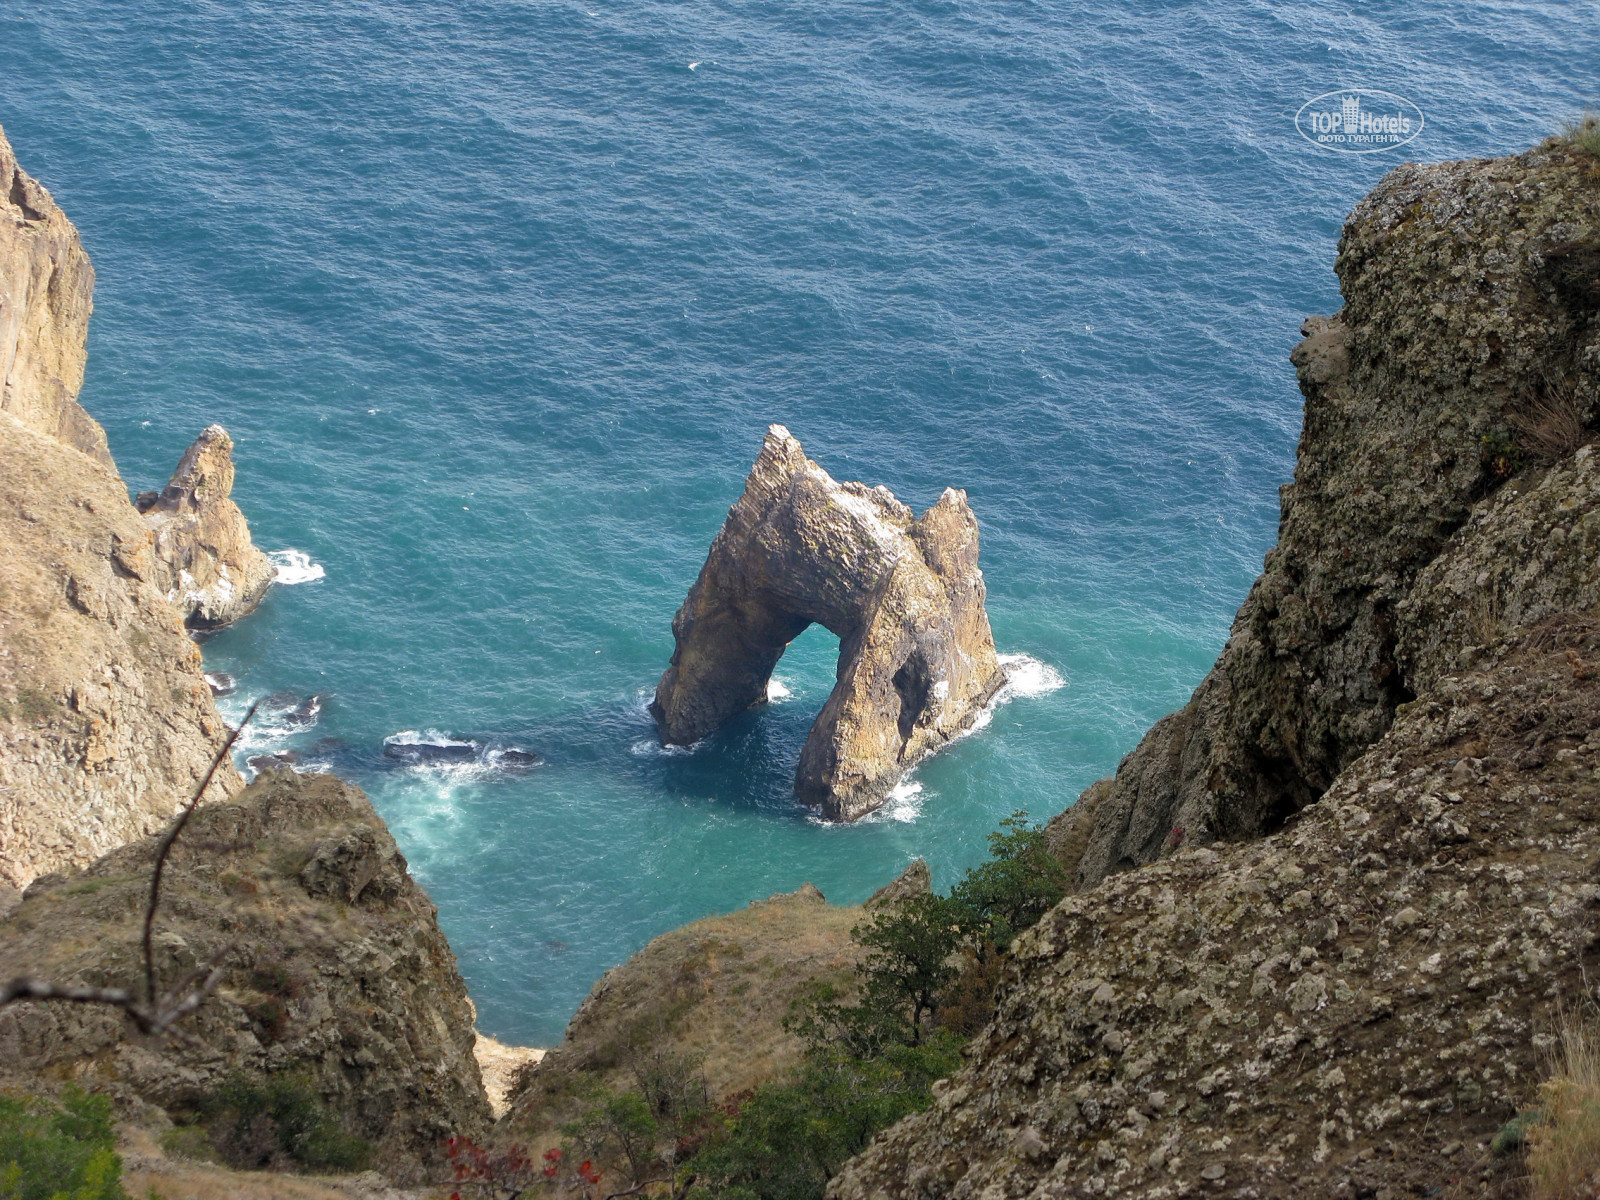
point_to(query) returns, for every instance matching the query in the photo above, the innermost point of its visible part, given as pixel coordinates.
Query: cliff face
(336, 968)
(105, 721)
(46, 289)
(206, 563)
(1470, 298)
(1357, 1000)
(905, 597)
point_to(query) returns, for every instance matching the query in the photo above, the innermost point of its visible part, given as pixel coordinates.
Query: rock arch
(904, 596)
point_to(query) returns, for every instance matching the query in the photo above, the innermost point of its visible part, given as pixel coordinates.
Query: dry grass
(1584, 133)
(1555, 422)
(1564, 1148)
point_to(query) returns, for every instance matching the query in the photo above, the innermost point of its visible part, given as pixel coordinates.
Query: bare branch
(149, 1015)
(166, 848)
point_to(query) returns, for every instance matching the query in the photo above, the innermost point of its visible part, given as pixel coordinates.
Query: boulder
(210, 570)
(904, 595)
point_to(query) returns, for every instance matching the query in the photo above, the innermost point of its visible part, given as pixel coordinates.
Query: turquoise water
(497, 299)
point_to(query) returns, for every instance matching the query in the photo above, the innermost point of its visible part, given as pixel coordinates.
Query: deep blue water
(497, 299)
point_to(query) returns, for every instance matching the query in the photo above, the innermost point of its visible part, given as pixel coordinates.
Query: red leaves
(503, 1174)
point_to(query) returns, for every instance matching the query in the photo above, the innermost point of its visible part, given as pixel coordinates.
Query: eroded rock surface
(211, 571)
(1350, 1005)
(904, 595)
(46, 293)
(337, 970)
(1355, 1003)
(106, 723)
(1466, 286)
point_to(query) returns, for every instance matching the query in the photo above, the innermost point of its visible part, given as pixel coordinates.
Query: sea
(497, 298)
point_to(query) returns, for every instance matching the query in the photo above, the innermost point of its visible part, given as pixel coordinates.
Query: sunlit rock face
(904, 595)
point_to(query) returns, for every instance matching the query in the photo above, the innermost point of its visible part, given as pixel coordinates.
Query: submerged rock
(904, 595)
(211, 571)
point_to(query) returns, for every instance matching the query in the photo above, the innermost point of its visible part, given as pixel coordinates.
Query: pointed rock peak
(915, 880)
(904, 596)
(209, 568)
(204, 474)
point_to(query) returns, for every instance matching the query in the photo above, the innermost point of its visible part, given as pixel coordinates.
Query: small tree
(1019, 883)
(908, 961)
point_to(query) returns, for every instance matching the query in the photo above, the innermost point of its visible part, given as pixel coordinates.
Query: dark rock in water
(281, 700)
(267, 762)
(305, 713)
(431, 752)
(518, 758)
(221, 683)
(328, 745)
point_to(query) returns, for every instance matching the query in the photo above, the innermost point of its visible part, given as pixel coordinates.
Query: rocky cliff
(903, 594)
(105, 721)
(206, 563)
(1352, 995)
(1470, 294)
(46, 292)
(336, 966)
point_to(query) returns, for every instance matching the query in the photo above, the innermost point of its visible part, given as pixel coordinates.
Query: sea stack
(904, 595)
(210, 570)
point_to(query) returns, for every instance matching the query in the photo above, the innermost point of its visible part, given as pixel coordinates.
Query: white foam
(777, 691)
(650, 748)
(426, 737)
(1027, 677)
(295, 566)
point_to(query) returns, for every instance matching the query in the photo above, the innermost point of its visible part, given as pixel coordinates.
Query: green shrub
(58, 1152)
(278, 1123)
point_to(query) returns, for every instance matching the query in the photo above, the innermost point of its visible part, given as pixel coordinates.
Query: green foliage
(785, 1141)
(278, 1123)
(58, 1152)
(1019, 883)
(1501, 455)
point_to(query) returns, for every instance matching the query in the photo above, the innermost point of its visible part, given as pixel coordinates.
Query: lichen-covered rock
(1530, 551)
(904, 595)
(106, 723)
(337, 971)
(1466, 286)
(1354, 1003)
(46, 290)
(211, 571)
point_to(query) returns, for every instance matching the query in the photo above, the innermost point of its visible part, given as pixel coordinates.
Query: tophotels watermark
(1358, 121)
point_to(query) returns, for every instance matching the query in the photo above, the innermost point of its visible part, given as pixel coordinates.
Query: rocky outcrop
(337, 971)
(207, 565)
(106, 724)
(711, 995)
(46, 290)
(903, 594)
(1468, 287)
(1356, 1003)
(1353, 1003)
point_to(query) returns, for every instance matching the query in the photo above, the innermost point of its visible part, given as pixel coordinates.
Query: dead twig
(151, 1014)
